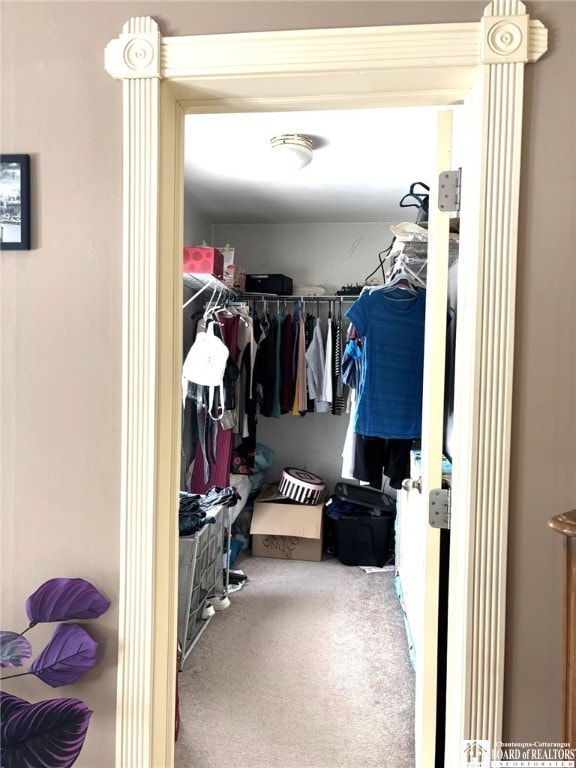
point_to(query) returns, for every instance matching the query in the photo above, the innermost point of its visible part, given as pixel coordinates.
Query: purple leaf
(14, 649)
(70, 653)
(65, 599)
(48, 734)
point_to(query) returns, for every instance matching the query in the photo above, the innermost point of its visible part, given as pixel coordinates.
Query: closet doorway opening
(324, 226)
(479, 64)
(330, 227)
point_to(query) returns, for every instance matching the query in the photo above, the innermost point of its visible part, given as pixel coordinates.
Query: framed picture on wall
(15, 202)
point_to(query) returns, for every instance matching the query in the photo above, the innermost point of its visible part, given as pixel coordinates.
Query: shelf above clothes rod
(200, 282)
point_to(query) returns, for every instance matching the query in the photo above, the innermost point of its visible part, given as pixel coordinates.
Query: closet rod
(279, 297)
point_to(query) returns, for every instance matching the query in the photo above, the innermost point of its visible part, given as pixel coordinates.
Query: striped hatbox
(301, 486)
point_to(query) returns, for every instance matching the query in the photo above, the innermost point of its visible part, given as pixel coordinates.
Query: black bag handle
(420, 198)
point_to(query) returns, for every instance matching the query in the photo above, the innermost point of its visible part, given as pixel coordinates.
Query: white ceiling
(364, 162)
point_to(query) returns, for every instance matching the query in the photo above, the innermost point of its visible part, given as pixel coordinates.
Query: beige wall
(543, 481)
(61, 323)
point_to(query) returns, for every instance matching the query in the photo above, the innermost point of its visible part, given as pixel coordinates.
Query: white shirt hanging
(327, 385)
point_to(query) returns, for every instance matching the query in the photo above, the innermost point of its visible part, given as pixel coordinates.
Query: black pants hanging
(374, 456)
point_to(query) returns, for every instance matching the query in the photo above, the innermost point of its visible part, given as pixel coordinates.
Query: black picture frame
(14, 202)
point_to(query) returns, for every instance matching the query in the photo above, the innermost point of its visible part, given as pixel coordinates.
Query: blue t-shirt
(389, 402)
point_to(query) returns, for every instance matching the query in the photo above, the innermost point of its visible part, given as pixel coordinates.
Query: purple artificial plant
(49, 734)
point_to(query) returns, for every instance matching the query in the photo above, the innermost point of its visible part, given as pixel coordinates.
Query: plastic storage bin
(361, 539)
(200, 577)
(364, 540)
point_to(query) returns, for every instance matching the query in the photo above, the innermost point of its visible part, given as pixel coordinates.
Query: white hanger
(213, 303)
(191, 299)
(399, 282)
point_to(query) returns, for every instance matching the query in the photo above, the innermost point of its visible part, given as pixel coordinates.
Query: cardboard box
(235, 277)
(283, 529)
(227, 252)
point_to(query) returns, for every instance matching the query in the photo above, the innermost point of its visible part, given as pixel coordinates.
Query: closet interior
(303, 346)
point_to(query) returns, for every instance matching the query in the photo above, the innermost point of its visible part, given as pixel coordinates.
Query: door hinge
(449, 185)
(440, 508)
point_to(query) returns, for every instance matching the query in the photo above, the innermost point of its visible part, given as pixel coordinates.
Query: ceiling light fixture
(292, 150)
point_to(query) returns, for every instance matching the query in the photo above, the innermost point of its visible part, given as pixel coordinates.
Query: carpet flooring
(308, 668)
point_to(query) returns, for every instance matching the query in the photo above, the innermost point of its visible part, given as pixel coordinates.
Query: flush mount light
(292, 151)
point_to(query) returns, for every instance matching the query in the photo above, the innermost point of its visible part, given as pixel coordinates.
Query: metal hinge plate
(449, 184)
(440, 508)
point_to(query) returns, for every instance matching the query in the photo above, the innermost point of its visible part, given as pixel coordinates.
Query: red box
(203, 260)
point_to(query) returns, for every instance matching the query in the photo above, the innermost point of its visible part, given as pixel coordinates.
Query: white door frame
(478, 63)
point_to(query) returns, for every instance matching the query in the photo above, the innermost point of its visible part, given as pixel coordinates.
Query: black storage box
(278, 284)
(358, 539)
(364, 540)
(365, 496)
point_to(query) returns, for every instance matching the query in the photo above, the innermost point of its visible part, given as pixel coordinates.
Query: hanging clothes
(246, 340)
(277, 329)
(296, 337)
(214, 454)
(328, 355)
(245, 360)
(302, 384)
(352, 359)
(376, 456)
(286, 358)
(265, 366)
(289, 360)
(203, 375)
(349, 447)
(300, 405)
(390, 396)
(244, 454)
(189, 432)
(309, 328)
(309, 332)
(315, 367)
(351, 375)
(338, 397)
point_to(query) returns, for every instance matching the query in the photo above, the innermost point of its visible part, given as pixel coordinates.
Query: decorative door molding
(480, 63)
